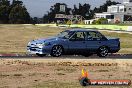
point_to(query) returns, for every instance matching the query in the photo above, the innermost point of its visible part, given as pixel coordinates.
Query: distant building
(120, 13)
(88, 21)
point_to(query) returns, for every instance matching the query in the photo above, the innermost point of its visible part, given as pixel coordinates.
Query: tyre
(56, 51)
(103, 51)
(41, 55)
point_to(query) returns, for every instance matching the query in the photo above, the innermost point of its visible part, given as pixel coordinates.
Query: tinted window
(94, 36)
(65, 34)
(78, 36)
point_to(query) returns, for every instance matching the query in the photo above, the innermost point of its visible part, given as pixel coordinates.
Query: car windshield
(65, 34)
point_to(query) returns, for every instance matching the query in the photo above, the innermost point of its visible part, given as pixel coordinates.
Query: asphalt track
(110, 56)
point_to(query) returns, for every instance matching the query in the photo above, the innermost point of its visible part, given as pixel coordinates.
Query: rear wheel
(103, 51)
(56, 51)
(41, 55)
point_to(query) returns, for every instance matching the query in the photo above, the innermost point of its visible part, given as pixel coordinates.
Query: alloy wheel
(56, 51)
(103, 51)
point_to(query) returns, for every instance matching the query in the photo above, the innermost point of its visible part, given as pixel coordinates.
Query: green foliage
(69, 22)
(103, 8)
(100, 21)
(83, 10)
(19, 14)
(4, 13)
(14, 12)
(55, 9)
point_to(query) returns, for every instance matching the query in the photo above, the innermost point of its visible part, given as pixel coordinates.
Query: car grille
(33, 48)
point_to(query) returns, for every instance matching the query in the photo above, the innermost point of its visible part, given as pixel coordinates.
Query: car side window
(94, 36)
(78, 36)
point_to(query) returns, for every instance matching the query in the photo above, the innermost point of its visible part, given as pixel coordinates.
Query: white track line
(116, 31)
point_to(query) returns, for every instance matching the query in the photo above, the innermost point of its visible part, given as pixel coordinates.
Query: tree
(14, 12)
(55, 9)
(103, 8)
(83, 10)
(45, 18)
(16, 2)
(101, 21)
(4, 2)
(19, 14)
(86, 11)
(4, 11)
(75, 11)
(37, 20)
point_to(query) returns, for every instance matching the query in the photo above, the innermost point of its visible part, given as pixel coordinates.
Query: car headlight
(29, 43)
(41, 45)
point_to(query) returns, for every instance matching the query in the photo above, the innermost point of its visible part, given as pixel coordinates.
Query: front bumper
(34, 50)
(37, 50)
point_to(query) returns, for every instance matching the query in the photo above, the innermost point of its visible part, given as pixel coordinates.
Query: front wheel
(103, 51)
(56, 51)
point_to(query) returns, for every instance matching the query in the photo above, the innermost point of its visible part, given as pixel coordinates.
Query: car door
(77, 42)
(94, 40)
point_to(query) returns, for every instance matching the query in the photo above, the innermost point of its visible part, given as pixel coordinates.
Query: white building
(120, 13)
(88, 21)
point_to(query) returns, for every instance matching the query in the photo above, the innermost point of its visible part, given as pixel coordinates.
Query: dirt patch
(60, 73)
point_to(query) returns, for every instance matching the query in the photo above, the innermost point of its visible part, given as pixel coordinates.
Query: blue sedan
(75, 41)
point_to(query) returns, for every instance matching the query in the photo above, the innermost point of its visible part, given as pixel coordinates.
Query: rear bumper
(114, 50)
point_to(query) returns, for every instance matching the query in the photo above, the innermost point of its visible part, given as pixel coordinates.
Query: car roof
(82, 30)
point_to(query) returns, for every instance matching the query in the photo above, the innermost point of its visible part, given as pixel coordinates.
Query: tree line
(16, 13)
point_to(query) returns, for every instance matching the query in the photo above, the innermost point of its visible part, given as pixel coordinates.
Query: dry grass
(38, 73)
(14, 38)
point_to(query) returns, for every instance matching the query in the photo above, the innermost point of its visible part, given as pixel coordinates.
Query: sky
(37, 8)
